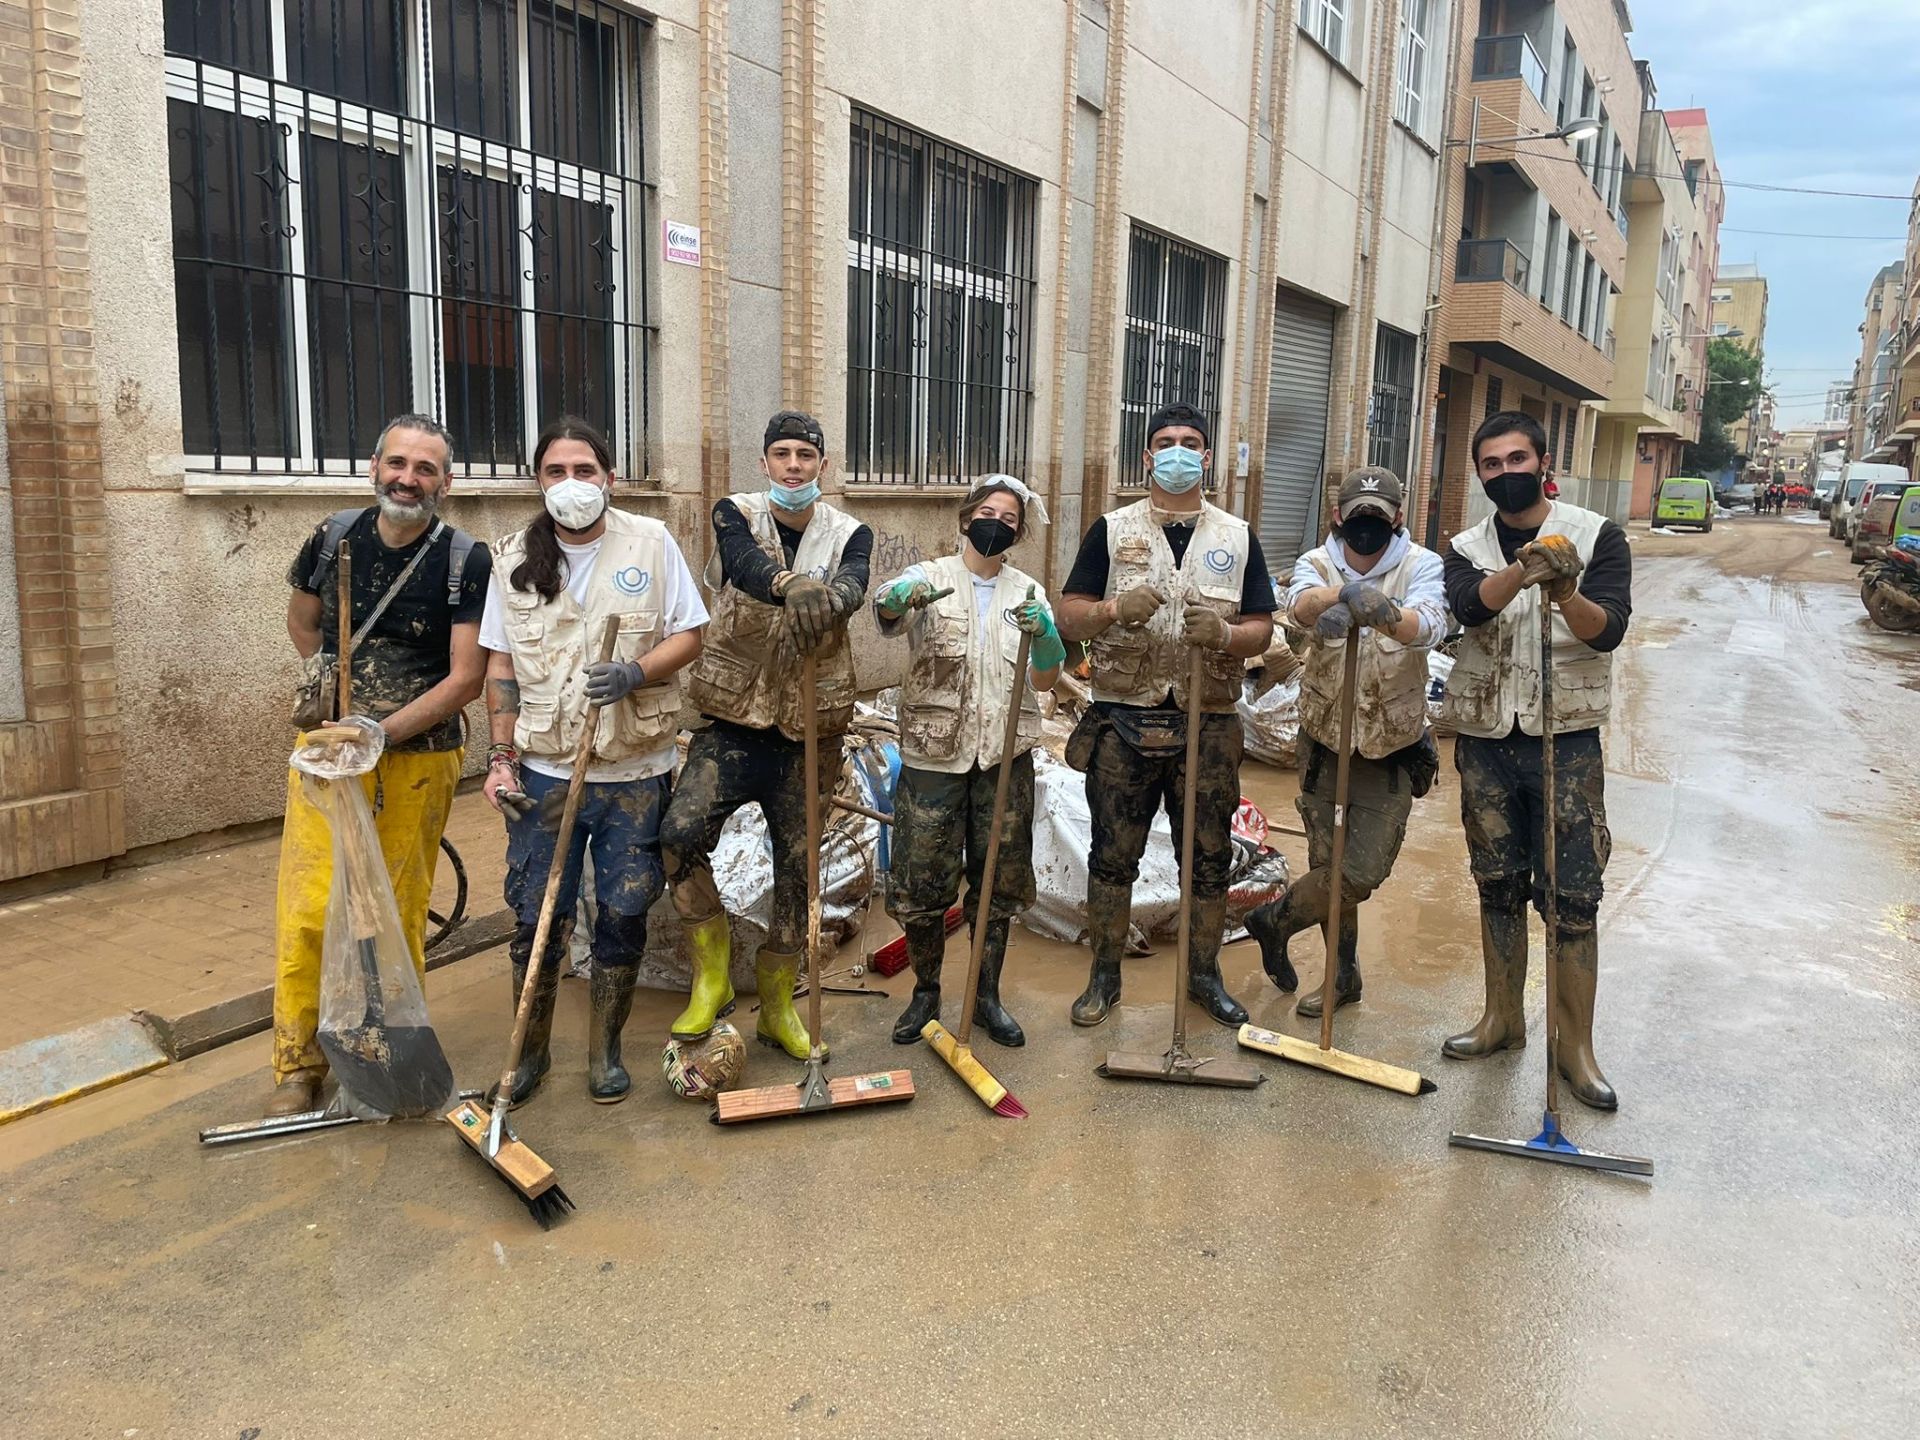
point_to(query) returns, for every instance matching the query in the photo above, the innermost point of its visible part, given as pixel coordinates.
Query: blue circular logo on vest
(1220, 562)
(632, 580)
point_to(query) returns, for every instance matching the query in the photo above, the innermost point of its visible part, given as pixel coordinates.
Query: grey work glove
(1369, 605)
(610, 680)
(1334, 623)
(515, 804)
(809, 612)
(1137, 606)
(1205, 628)
(503, 788)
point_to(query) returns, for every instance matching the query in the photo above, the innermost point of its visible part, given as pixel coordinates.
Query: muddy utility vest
(1390, 712)
(555, 640)
(749, 671)
(341, 521)
(1138, 665)
(953, 704)
(1496, 676)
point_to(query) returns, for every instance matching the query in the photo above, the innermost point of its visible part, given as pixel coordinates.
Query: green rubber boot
(710, 945)
(779, 1023)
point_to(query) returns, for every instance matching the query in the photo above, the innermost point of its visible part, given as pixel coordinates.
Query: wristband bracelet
(502, 750)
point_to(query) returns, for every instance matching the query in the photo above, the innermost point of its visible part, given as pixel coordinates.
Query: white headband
(1030, 502)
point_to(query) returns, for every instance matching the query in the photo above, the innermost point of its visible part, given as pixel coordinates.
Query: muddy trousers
(412, 795)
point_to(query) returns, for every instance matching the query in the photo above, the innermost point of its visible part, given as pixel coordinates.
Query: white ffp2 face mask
(576, 504)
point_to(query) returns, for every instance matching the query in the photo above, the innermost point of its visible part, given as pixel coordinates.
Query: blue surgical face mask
(1176, 469)
(794, 497)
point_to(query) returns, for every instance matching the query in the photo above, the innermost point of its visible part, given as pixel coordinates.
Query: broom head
(530, 1177)
(992, 1093)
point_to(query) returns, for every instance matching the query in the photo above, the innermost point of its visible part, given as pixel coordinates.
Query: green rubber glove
(898, 598)
(1046, 651)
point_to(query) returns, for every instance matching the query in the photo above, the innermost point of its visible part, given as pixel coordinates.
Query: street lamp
(1574, 131)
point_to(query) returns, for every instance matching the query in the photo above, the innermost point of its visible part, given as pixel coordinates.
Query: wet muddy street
(1306, 1258)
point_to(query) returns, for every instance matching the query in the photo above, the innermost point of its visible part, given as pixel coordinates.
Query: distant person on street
(1369, 573)
(580, 564)
(1532, 551)
(418, 586)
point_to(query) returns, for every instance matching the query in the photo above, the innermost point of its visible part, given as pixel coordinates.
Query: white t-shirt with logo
(681, 608)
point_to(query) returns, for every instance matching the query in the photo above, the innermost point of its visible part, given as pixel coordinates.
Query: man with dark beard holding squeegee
(1533, 551)
(1152, 582)
(786, 572)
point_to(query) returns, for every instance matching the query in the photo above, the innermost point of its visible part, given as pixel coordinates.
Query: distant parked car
(1854, 479)
(1824, 489)
(1684, 500)
(1871, 521)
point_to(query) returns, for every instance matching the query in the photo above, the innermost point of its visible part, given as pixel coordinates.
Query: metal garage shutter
(1296, 428)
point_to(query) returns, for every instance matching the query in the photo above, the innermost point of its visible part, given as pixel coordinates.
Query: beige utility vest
(749, 671)
(1391, 705)
(1138, 665)
(953, 705)
(1496, 676)
(555, 640)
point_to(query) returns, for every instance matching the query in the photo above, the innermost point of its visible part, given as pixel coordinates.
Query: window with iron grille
(392, 205)
(1571, 429)
(1176, 327)
(1494, 395)
(1553, 431)
(1390, 418)
(940, 310)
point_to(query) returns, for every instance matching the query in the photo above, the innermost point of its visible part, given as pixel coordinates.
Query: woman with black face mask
(1371, 575)
(963, 616)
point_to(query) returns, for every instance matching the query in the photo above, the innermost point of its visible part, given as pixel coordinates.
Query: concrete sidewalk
(160, 961)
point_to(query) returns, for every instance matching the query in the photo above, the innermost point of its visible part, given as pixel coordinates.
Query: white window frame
(1328, 21)
(225, 89)
(1416, 28)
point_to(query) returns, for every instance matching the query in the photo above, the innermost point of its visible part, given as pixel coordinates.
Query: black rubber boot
(1503, 1026)
(1203, 962)
(534, 1059)
(1107, 910)
(1346, 976)
(610, 991)
(1001, 1027)
(1274, 925)
(926, 948)
(1573, 1048)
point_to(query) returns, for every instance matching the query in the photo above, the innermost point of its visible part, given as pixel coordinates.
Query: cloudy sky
(1823, 94)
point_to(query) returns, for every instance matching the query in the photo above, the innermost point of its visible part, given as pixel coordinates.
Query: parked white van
(1846, 501)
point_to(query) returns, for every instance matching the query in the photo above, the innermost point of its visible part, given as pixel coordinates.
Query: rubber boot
(610, 993)
(1203, 962)
(779, 1023)
(1107, 909)
(1001, 1027)
(1346, 976)
(1573, 996)
(1503, 948)
(710, 948)
(926, 948)
(1276, 923)
(295, 1095)
(534, 1059)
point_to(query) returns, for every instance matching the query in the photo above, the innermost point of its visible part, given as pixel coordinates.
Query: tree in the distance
(1733, 382)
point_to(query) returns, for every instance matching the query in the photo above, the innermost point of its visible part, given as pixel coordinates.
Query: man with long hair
(580, 564)
(415, 626)
(787, 571)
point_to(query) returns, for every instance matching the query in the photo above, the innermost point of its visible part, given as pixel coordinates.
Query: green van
(1685, 500)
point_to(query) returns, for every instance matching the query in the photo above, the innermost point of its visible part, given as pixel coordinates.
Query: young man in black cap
(1153, 582)
(1369, 573)
(786, 572)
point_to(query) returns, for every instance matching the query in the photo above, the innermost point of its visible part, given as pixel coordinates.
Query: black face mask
(1515, 491)
(990, 536)
(1366, 533)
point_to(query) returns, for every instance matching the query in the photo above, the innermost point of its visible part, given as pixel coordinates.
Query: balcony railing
(1491, 260)
(1508, 57)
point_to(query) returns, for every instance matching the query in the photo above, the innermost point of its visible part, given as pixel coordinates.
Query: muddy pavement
(1305, 1258)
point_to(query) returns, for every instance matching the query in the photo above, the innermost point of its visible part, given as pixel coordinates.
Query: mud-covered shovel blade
(397, 1070)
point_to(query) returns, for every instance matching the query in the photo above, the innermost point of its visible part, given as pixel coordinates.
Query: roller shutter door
(1297, 404)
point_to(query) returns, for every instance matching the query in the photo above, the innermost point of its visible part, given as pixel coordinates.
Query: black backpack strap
(462, 547)
(338, 524)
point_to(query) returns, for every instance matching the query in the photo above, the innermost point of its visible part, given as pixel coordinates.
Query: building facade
(1898, 426)
(1874, 372)
(246, 233)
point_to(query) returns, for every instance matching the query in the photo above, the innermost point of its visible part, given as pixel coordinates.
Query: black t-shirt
(1607, 580)
(409, 650)
(750, 570)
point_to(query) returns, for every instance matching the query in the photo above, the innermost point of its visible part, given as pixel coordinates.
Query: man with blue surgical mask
(1153, 582)
(787, 570)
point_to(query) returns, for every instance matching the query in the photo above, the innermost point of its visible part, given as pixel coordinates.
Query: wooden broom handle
(343, 620)
(1349, 701)
(1189, 805)
(1549, 848)
(809, 706)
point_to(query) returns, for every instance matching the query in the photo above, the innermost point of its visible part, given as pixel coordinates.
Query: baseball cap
(1371, 487)
(794, 425)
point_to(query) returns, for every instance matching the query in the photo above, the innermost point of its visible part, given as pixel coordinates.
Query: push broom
(491, 1137)
(1291, 1047)
(1551, 1143)
(952, 1047)
(815, 1094)
(1178, 1064)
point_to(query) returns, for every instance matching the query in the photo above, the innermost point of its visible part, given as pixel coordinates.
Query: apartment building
(991, 236)
(1545, 134)
(1740, 315)
(1898, 425)
(1874, 372)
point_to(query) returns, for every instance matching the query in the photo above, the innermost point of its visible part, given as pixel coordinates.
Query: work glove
(1552, 563)
(904, 595)
(1032, 617)
(503, 791)
(1205, 628)
(1137, 606)
(809, 612)
(610, 680)
(1369, 605)
(1334, 623)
